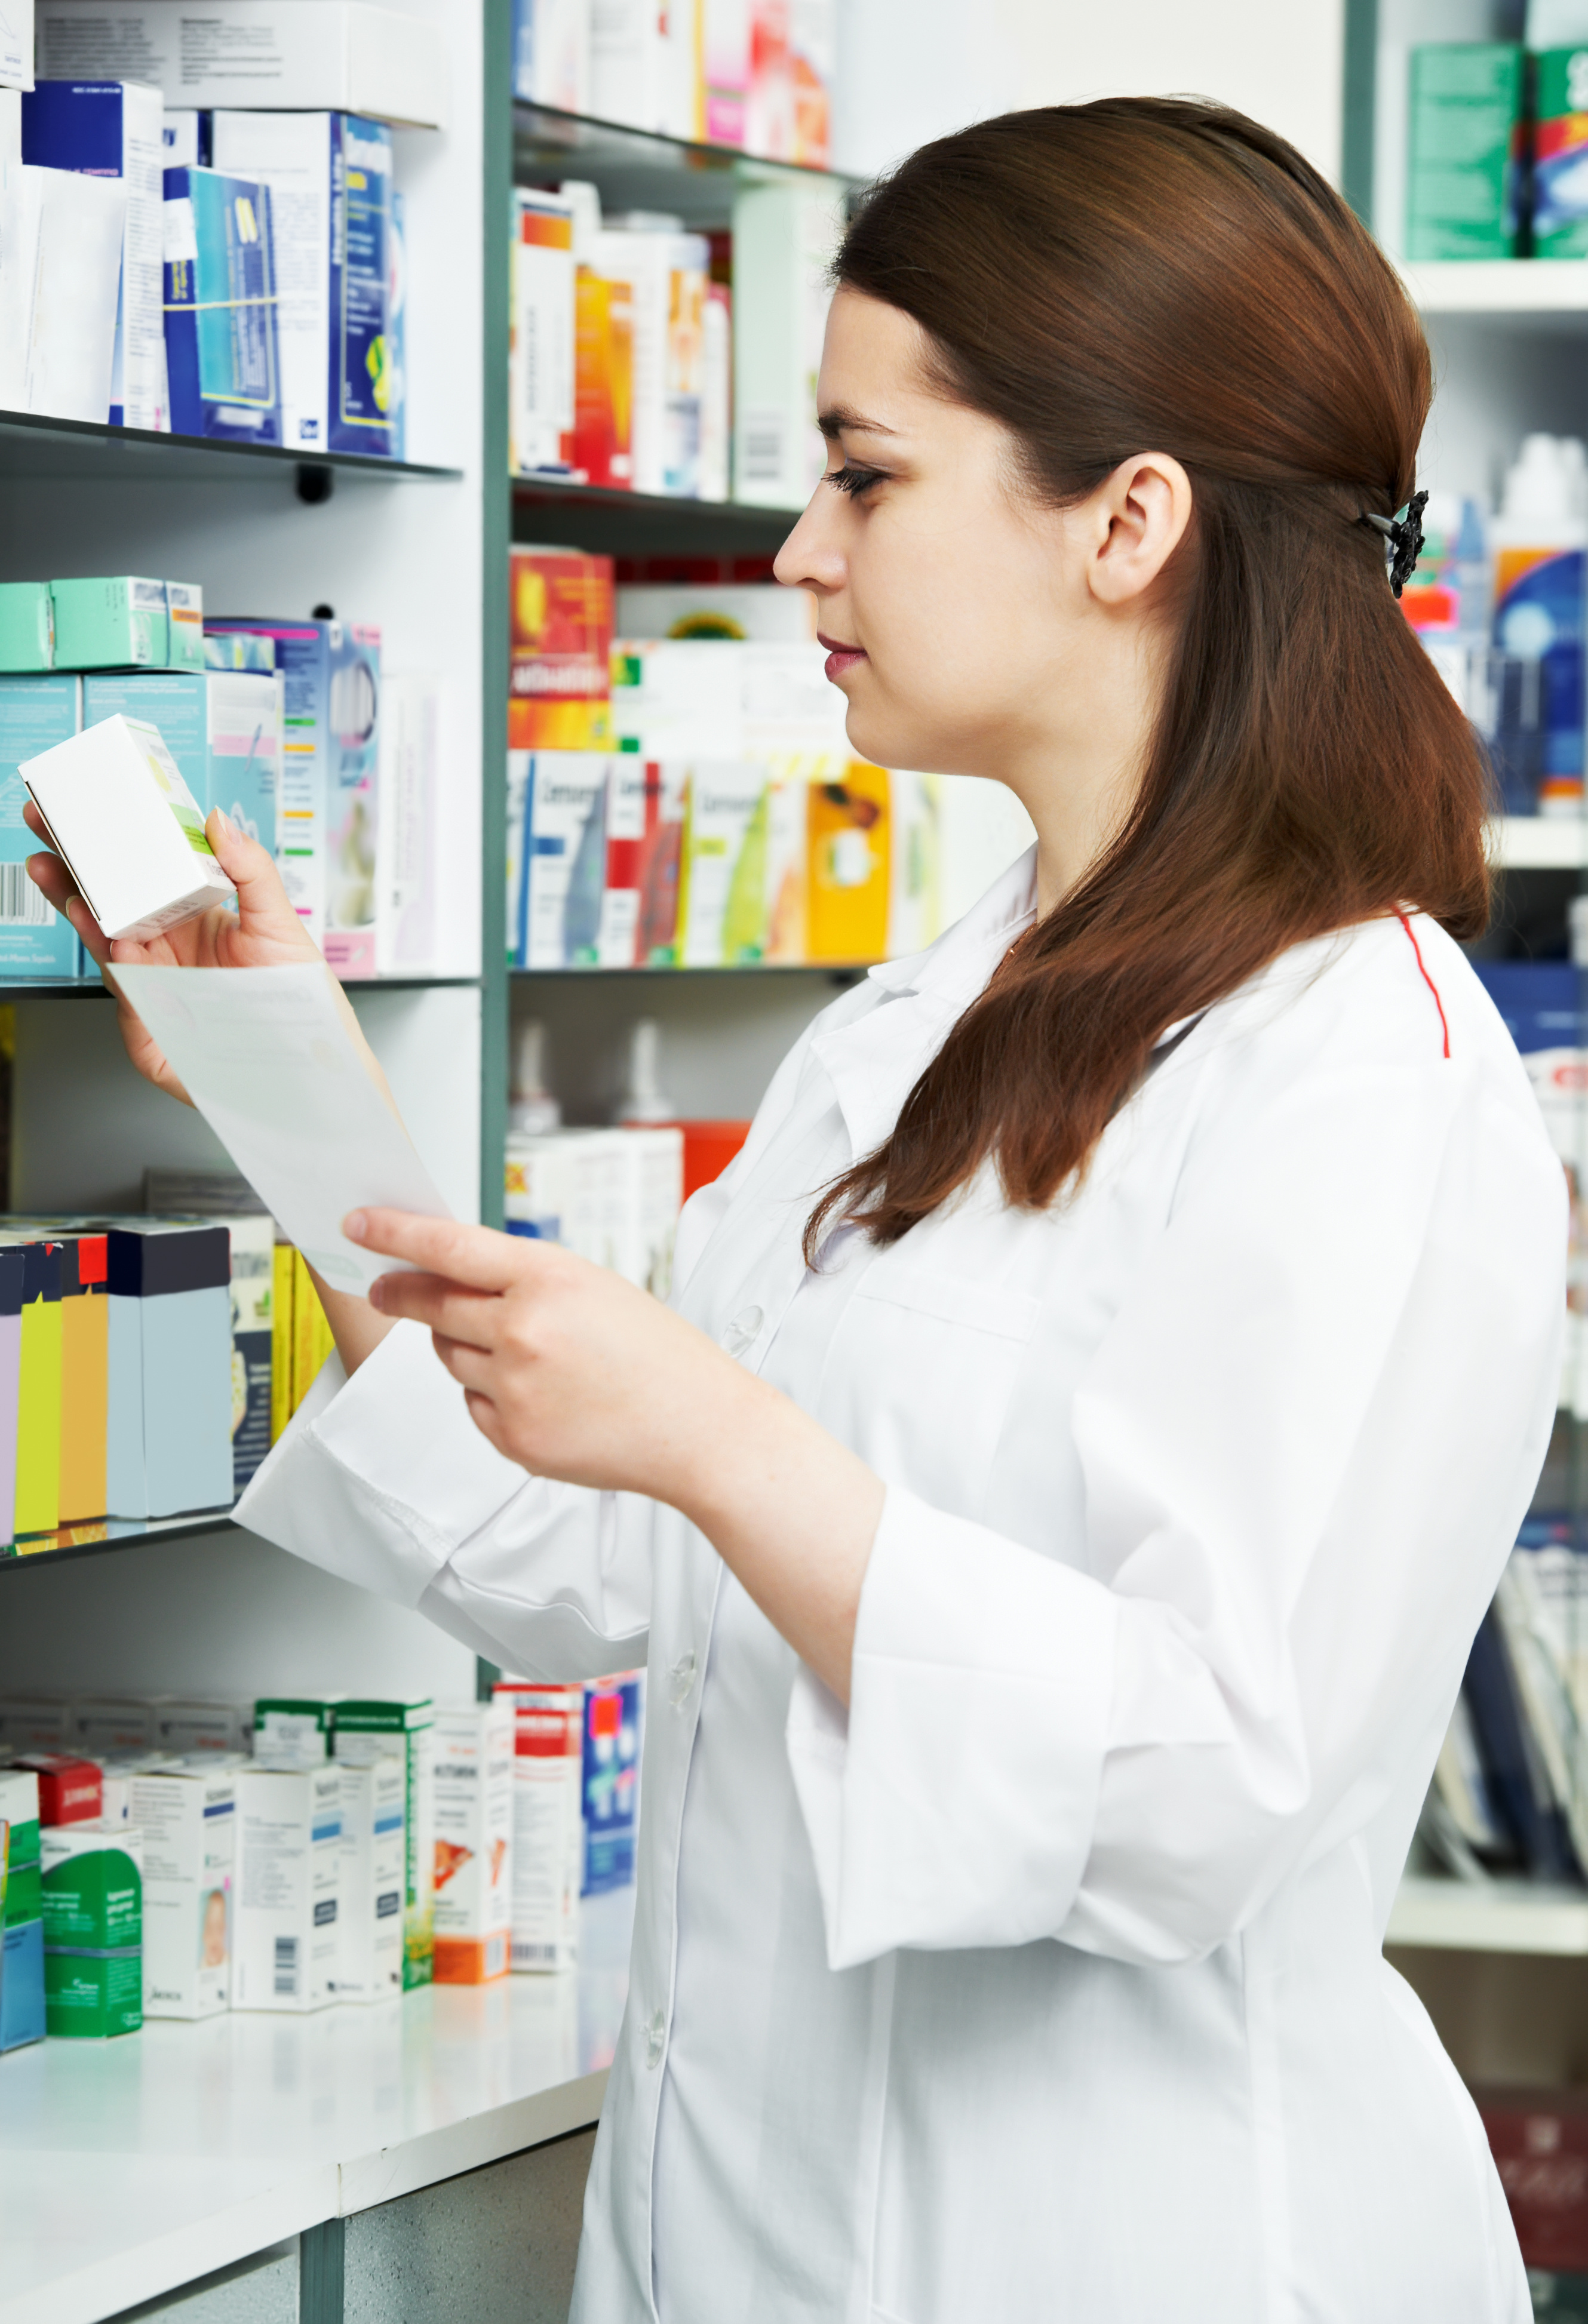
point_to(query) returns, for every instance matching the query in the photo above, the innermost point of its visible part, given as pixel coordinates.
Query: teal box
(35, 713)
(27, 626)
(1466, 149)
(184, 613)
(122, 622)
(222, 727)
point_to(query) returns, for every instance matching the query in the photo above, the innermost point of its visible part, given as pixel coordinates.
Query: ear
(1137, 518)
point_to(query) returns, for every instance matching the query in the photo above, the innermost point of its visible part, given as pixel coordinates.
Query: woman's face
(974, 630)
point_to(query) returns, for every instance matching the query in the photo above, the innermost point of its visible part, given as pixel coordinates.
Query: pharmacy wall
(625, 855)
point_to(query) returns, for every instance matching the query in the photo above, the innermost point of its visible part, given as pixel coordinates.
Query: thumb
(242, 859)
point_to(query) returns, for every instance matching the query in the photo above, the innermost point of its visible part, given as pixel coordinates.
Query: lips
(840, 657)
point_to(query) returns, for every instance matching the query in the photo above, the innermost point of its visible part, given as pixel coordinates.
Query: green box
(93, 1886)
(1465, 150)
(27, 626)
(19, 1808)
(371, 1730)
(184, 608)
(117, 623)
(92, 1997)
(24, 1894)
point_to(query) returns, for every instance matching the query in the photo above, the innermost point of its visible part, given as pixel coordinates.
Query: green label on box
(24, 1899)
(93, 1996)
(96, 1898)
(1464, 157)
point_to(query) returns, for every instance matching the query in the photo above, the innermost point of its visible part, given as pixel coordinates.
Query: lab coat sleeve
(1306, 1440)
(384, 1479)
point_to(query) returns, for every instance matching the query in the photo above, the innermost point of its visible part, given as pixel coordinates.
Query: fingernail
(377, 1297)
(354, 1226)
(224, 821)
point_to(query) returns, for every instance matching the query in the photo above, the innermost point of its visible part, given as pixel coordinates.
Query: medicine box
(191, 1729)
(22, 1970)
(329, 180)
(93, 1929)
(106, 1723)
(291, 54)
(116, 1772)
(292, 1731)
(71, 1789)
(548, 1829)
(189, 1819)
(131, 831)
(36, 1507)
(614, 1714)
(85, 1377)
(27, 626)
(169, 1440)
(288, 1864)
(1465, 156)
(473, 1749)
(367, 1731)
(35, 715)
(222, 727)
(220, 307)
(119, 623)
(374, 1859)
(30, 1722)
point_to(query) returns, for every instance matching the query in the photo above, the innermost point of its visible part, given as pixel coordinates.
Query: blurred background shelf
(89, 988)
(637, 170)
(1549, 293)
(552, 512)
(1500, 1916)
(113, 1533)
(1540, 842)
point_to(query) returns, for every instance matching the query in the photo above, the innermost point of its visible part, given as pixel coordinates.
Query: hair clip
(1404, 537)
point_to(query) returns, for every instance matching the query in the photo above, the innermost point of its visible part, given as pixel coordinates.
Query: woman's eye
(850, 479)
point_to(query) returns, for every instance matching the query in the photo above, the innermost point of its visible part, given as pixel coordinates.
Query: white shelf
(1496, 1916)
(1551, 293)
(1540, 842)
(128, 2168)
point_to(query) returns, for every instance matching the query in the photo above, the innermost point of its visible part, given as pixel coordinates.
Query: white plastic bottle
(1540, 541)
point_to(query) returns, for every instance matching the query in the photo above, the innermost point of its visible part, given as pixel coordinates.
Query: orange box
(560, 683)
(604, 380)
(849, 876)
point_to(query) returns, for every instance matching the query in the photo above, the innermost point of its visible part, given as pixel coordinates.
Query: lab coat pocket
(919, 1377)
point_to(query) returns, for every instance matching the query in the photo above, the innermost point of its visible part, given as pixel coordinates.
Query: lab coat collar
(876, 1060)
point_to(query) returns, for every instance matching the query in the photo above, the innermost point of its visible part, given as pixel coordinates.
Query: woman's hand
(574, 1374)
(264, 931)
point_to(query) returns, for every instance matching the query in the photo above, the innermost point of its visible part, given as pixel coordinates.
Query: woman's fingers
(263, 906)
(470, 1318)
(473, 1257)
(471, 1367)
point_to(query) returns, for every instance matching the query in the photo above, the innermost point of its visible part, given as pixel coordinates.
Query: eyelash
(850, 478)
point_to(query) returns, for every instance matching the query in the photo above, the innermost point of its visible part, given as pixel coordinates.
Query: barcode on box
(286, 1965)
(21, 905)
(763, 440)
(527, 1956)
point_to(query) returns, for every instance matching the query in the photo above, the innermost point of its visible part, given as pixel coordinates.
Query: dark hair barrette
(1404, 537)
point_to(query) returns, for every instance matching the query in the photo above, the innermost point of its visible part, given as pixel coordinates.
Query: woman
(1097, 1403)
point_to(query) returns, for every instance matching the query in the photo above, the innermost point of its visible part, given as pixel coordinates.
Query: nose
(812, 557)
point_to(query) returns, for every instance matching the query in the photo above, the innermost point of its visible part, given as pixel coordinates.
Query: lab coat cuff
(379, 1478)
(954, 1804)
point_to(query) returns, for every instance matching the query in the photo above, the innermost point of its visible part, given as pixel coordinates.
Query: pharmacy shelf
(1549, 294)
(1490, 1916)
(1539, 842)
(608, 523)
(89, 988)
(637, 171)
(204, 2144)
(29, 1555)
(840, 972)
(31, 446)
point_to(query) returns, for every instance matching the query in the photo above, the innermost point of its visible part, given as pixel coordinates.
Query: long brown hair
(1155, 274)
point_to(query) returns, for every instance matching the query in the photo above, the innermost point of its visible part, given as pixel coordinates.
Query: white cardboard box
(189, 1819)
(548, 1831)
(474, 1788)
(369, 1957)
(289, 1880)
(129, 828)
(110, 1724)
(292, 56)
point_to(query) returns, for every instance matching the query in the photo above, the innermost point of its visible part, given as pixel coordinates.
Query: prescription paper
(269, 1057)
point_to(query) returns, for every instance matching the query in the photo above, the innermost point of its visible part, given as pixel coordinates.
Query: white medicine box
(129, 829)
(189, 1819)
(473, 1842)
(374, 1873)
(289, 1887)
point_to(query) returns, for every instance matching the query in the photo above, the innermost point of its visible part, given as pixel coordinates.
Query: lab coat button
(682, 1676)
(742, 1330)
(655, 2038)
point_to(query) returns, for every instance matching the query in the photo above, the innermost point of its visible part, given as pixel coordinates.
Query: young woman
(1096, 1406)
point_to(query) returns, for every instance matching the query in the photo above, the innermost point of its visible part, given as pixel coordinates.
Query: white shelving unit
(1498, 1916)
(1539, 842)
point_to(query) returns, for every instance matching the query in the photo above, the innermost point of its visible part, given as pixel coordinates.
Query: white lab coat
(1044, 1985)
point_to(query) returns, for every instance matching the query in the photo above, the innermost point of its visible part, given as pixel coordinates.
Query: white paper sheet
(267, 1056)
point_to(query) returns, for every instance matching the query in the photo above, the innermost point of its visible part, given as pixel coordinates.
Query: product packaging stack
(1497, 136)
(755, 74)
(646, 358)
(169, 263)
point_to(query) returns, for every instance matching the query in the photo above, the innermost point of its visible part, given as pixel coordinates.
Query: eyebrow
(840, 415)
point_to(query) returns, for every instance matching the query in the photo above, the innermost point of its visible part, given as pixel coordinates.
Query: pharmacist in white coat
(1056, 1564)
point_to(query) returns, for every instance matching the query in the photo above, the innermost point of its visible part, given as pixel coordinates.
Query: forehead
(872, 363)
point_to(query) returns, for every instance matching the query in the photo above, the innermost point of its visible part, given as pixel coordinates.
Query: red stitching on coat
(1427, 979)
